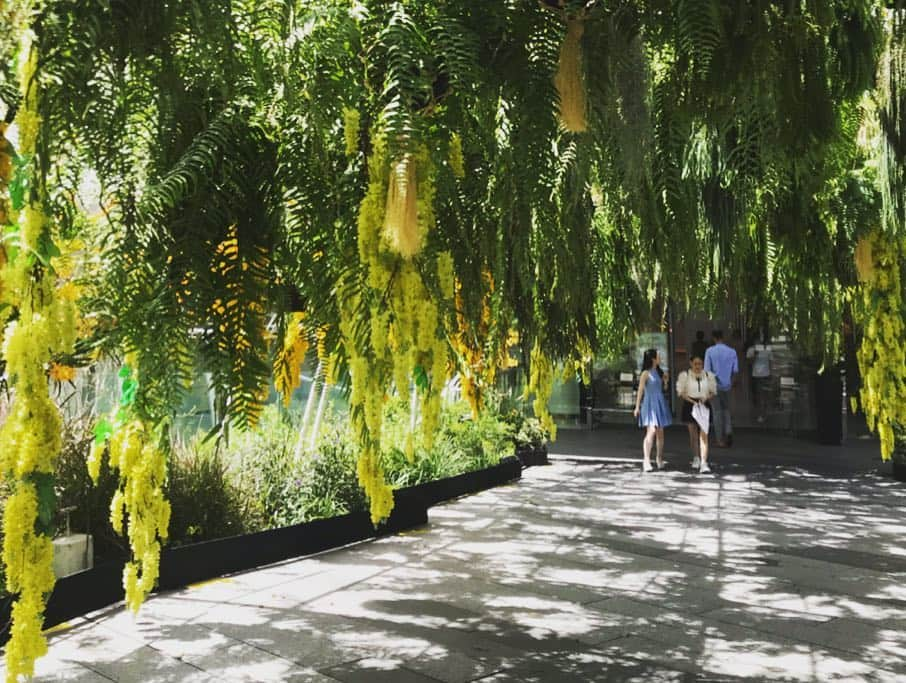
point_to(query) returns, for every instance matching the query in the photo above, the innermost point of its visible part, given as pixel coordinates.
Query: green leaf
(128, 395)
(47, 502)
(102, 430)
(128, 388)
(18, 187)
(421, 378)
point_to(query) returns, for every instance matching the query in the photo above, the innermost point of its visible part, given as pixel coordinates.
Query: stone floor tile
(448, 666)
(147, 665)
(248, 664)
(376, 670)
(54, 669)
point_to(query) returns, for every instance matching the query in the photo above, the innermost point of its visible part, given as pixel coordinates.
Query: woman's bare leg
(647, 444)
(660, 446)
(703, 446)
(693, 439)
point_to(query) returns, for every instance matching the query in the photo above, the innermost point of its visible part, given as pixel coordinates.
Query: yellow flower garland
(406, 343)
(30, 439)
(132, 450)
(541, 383)
(288, 363)
(880, 356)
(143, 471)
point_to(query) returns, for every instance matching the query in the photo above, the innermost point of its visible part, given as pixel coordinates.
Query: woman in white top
(695, 386)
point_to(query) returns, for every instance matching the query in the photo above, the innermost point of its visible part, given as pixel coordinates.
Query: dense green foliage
(721, 156)
(431, 188)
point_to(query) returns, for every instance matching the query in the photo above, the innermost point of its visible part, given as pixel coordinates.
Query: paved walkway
(583, 571)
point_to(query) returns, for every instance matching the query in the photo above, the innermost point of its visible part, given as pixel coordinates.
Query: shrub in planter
(461, 445)
(329, 485)
(529, 437)
(440, 462)
(290, 490)
(205, 503)
(483, 442)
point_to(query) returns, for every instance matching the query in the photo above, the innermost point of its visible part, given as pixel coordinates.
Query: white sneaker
(696, 462)
(646, 467)
(704, 469)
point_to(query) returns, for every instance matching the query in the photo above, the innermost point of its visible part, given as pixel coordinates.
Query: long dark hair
(648, 361)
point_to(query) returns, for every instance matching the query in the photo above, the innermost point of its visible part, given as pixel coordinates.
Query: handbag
(702, 416)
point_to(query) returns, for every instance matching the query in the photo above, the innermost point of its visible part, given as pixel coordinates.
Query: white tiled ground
(580, 572)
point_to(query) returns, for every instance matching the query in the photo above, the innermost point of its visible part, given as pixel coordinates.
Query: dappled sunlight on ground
(581, 572)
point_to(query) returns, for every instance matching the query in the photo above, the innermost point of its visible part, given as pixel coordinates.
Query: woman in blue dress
(651, 407)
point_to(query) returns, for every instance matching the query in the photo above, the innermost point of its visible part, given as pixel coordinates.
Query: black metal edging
(96, 588)
(434, 492)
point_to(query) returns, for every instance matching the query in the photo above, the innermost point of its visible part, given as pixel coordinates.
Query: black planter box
(101, 586)
(433, 492)
(530, 457)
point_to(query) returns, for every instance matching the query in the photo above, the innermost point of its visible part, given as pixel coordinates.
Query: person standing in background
(699, 346)
(721, 360)
(760, 356)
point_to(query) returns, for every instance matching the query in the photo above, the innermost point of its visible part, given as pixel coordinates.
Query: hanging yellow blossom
(289, 360)
(570, 81)
(880, 356)
(28, 558)
(456, 159)
(351, 118)
(401, 226)
(541, 383)
(142, 467)
(30, 438)
(405, 346)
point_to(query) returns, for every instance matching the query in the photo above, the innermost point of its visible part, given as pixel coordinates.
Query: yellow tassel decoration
(863, 258)
(569, 79)
(401, 230)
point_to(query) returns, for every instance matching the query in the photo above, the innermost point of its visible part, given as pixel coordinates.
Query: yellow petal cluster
(29, 565)
(883, 348)
(541, 384)
(456, 159)
(351, 122)
(481, 349)
(142, 468)
(30, 438)
(405, 343)
(289, 360)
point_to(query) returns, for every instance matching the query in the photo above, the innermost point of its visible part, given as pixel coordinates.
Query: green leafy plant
(205, 502)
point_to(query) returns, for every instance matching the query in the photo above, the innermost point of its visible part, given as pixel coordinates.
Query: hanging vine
(138, 510)
(30, 439)
(881, 311)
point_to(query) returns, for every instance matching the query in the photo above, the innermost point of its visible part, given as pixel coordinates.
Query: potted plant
(530, 438)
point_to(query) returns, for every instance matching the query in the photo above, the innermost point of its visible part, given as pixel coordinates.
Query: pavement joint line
(95, 671)
(583, 459)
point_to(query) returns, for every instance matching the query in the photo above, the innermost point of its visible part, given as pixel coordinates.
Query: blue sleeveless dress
(654, 411)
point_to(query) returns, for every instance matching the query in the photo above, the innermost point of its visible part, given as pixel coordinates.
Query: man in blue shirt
(723, 362)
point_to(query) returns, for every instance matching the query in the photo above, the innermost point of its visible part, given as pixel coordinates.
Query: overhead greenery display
(420, 190)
